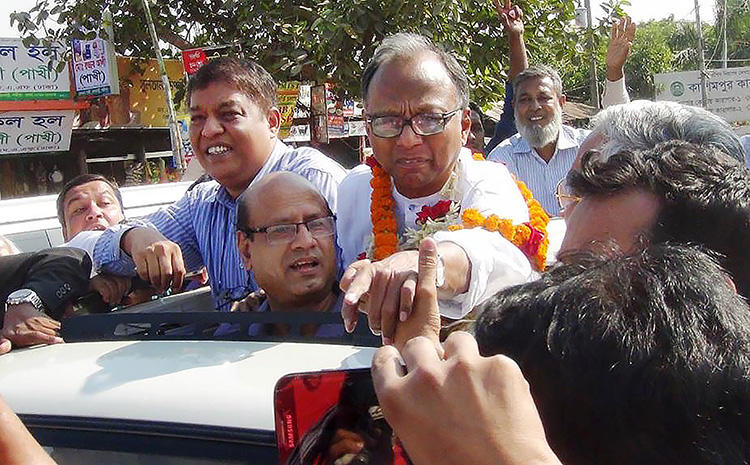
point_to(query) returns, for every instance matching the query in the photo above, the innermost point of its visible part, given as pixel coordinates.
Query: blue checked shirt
(203, 224)
(541, 177)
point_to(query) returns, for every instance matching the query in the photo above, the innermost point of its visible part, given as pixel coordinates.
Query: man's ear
(562, 99)
(274, 120)
(465, 125)
(243, 245)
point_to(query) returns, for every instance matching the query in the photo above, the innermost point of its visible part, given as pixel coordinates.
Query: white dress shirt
(488, 187)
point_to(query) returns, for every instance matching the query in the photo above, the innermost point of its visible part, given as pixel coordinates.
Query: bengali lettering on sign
(30, 73)
(193, 59)
(728, 91)
(91, 67)
(35, 131)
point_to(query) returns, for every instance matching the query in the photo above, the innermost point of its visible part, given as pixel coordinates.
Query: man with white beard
(544, 149)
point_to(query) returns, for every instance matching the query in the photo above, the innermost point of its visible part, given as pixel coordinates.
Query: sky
(640, 10)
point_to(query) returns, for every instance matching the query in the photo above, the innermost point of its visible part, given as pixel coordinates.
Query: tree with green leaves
(317, 40)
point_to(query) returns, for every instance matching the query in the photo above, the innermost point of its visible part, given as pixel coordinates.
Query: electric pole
(701, 63)
(174, 134)
(724, 35)
(592, 66)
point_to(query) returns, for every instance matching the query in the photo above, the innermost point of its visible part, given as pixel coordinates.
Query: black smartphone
(333, 418)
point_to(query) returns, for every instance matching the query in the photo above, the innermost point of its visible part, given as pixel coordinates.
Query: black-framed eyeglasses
(285, 233)
(565, 196)
(423, 124)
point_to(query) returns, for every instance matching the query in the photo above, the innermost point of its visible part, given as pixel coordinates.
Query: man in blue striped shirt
(544, 149)
(234, 133)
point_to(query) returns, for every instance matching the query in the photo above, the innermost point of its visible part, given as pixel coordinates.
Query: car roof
(221, 383)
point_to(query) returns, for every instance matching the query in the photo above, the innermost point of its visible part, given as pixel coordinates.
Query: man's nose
(212, 127)
(94, 212)
(408, 138)
(303, 238)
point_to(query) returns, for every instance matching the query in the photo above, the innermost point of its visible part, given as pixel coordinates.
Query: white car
(137, 398)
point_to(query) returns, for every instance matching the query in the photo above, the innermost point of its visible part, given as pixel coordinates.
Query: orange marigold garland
(384, 227)
(530, 237)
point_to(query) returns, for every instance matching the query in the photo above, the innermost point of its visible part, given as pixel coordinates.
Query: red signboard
(192, 60)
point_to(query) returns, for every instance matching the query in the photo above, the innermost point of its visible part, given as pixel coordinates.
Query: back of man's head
(246, 75)
(80, 180)
(641, 359)
(538, 72)
(641, 125)
(704, 195)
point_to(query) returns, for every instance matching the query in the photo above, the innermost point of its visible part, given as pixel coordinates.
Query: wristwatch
(25, 296)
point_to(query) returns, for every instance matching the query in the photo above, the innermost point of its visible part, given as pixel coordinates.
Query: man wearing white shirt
(416, 104)
(544, 149)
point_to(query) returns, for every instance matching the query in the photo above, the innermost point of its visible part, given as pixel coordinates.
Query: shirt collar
(565, 140)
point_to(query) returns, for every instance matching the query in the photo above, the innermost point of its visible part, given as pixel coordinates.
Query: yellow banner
(286, 97)
(141, 101)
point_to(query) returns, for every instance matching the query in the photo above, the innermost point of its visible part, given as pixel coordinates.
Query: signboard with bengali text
(29, 73)
(728, 91)
(35, 131)
(193, 59)
(91, 67)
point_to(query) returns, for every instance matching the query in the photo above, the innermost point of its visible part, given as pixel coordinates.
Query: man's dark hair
(704, 196)
(246, 75)
(406, 45)
(80, 180)
(641, 358)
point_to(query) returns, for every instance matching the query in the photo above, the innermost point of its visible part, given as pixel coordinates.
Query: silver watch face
(21, 295)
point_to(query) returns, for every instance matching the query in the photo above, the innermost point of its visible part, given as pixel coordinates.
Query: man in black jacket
(37, 288)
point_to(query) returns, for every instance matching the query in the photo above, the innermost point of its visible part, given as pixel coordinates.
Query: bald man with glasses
(286, 238)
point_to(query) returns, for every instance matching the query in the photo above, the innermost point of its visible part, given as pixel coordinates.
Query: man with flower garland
(421, 182)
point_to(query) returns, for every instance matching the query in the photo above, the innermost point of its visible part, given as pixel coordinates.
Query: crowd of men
(633, 348)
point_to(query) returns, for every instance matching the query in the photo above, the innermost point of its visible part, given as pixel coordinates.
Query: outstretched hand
(384, 290)
(425, 316)
(157, 259)
(511, 16)
(623, 34)
(486, 399)
(24, 326)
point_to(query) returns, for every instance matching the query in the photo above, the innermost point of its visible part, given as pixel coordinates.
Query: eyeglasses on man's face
(566, 199)
(423, 124)
(285, 233)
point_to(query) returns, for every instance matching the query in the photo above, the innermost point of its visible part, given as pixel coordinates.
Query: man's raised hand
(424, 319)
(511, 16)
(459, 407)
(623, 34)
